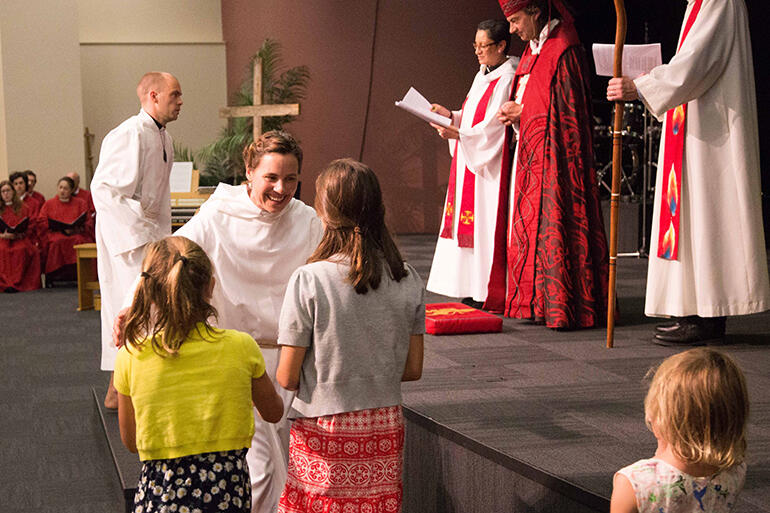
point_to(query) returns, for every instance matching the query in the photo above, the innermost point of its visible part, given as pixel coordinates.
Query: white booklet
(416, 104)
(181, 177)
(637, 59)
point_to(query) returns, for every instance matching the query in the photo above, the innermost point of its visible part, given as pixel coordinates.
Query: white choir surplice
(132, 196)
(254, 253)
(464, 272)
(722, 265)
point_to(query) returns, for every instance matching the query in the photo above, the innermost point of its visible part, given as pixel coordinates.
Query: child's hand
(117, 328)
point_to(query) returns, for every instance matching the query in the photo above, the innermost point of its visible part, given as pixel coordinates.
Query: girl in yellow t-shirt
(185, 389)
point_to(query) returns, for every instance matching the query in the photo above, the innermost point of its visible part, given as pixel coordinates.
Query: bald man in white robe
(132, 197)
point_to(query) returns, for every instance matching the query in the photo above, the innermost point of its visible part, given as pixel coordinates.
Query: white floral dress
(213, 482)
(661, 488)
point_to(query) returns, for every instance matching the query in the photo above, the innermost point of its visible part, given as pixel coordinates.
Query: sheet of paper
(415, 103)
(637, 59)
(181, 176)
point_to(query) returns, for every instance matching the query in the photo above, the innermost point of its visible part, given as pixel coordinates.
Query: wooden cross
(257, 110)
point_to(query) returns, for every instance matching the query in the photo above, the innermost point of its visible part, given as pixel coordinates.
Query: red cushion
(452, 318)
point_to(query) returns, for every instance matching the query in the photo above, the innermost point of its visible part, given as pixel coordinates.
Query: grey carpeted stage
(534, 419)
(528, 420)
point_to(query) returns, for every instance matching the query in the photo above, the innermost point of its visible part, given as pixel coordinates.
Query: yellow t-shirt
(196, 401)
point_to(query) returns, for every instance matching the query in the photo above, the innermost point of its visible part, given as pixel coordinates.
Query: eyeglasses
(481, 46)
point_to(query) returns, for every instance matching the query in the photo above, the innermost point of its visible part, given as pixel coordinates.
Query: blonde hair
(349, 201)
(699, 404)
(170, 300)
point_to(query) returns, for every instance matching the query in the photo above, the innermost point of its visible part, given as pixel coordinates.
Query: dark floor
(565, 404)
(558, 400)
(53, 453)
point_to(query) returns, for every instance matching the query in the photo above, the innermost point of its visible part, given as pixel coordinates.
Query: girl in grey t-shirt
(351, 329)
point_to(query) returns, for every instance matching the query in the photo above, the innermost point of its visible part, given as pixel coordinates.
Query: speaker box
(629, 225)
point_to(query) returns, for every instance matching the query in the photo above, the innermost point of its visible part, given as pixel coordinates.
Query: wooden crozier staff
(617, 149)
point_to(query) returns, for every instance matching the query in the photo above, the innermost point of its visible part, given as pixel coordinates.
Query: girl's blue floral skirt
(200, 483)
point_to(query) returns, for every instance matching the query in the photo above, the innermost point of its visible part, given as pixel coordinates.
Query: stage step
(127, 464)
(446, 471)
(443, 470)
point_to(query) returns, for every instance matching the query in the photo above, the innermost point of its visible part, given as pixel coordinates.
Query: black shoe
(695, 331)
(674, 324)
(470, 302)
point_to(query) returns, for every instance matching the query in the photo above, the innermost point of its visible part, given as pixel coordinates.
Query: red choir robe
(39, 197)
(33, 203)
(554, 267)
(19, 258)
(60, 247)
(86, 196)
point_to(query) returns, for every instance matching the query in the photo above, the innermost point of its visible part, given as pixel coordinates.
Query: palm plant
(183, 153)
(221, 160)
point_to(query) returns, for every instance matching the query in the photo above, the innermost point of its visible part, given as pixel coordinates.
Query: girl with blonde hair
(185, 389)
(351, 329)
(697, 408)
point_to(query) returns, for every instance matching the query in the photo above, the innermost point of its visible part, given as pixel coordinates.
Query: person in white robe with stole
(720, 267)
(256, 235)
(463, 257)
(132, 197)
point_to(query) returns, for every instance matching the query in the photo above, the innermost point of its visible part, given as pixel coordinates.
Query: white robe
(131, 193)
(464, 272)
(722, 265)
(254, 253)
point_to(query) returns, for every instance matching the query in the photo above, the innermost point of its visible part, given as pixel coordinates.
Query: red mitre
(510, 7)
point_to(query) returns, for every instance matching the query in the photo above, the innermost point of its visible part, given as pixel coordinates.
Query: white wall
(70, 64)
(3, 142)
(42, 117)
(121, 40)
(143, 21)
(110, 74)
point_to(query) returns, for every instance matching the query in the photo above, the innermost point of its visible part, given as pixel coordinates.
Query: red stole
(673, 156)
(466, 218)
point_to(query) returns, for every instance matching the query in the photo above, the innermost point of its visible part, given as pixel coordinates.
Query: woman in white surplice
(256, 235)
(463, 257)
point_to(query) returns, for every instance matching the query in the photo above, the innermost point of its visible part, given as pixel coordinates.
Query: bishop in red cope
(552, 264)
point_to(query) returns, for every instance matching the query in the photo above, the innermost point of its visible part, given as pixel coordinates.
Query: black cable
(371, 78)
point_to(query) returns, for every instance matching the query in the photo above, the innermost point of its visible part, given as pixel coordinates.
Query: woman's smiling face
(274, 181)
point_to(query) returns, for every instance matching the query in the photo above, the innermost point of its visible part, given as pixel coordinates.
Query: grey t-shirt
(357, 343)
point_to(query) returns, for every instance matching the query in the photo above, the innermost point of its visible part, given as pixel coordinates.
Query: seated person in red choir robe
(85, 195)
(31, 182)
(66, 223)
(19, 256)
(19, 181)
(481, 166)
(557, 259)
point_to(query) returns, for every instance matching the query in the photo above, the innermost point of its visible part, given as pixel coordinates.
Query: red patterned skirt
(346, 463)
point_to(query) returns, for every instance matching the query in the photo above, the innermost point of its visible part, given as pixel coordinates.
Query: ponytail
(349, 200)
(170, 300)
